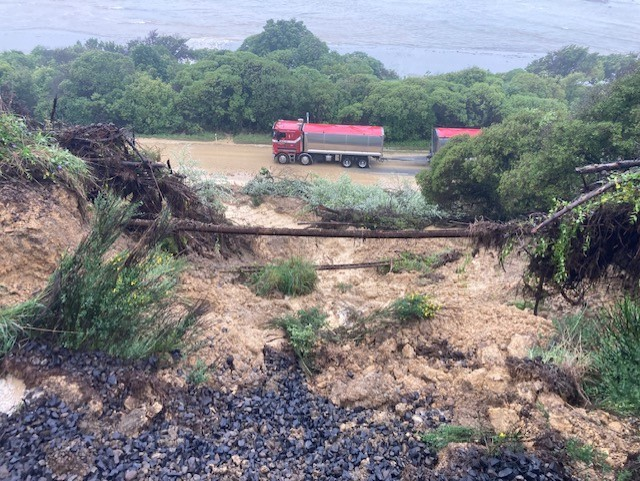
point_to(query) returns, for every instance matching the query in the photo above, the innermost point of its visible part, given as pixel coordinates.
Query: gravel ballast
(277, 431)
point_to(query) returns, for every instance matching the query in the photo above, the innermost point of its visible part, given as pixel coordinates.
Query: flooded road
(240, 162)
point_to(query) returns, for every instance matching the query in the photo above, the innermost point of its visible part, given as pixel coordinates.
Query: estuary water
(412, 37)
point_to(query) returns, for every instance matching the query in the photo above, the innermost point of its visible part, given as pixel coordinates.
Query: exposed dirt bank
(463, 364)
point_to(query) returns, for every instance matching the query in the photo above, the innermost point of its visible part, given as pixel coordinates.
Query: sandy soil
(477, 320)
(240, 162)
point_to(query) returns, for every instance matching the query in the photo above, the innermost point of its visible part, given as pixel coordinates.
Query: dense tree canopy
(567, 108)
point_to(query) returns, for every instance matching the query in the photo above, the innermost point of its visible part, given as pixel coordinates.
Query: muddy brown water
(240, 162)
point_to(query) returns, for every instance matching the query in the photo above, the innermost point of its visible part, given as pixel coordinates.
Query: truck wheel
(363, 163)
(282, 158)
(347, 162)
(305, 159)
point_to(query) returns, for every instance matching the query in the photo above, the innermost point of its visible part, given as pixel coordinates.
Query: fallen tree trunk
(619, 165)
(322, 267)
(184, 225)
(573, 205)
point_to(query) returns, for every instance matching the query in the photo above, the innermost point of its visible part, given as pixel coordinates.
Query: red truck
(304, 142)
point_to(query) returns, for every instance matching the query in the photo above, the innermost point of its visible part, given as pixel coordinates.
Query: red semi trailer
(299, 141)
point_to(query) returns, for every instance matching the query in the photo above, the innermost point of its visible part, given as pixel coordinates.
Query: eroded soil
(465, 360)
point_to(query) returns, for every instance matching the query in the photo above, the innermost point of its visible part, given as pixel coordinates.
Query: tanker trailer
(299, 141)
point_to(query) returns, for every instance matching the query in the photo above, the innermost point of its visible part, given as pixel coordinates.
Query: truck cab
(287, 140)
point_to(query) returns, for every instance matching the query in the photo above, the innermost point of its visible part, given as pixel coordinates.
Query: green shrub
(292, 277)
(566, 346)
(211, 189)
(587, 454)
(614, 382)
(604, 351)
(446, 434)
(199, 373)
(413, 307)
(302, 331)
(12, 322)
(365, 204)
(122, 304)
(33, 156)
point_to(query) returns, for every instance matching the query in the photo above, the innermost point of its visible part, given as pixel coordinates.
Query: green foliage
(292, 277)
(614, 382)
(33, 156)
(587, 454)
(411, 262)
(564, 347)
(401, 312)
(302, 331)
(373, 205)
(446, 434)
(604, 352)
(13, 320)
(149, 105)
(569, 59)
(571, 253)
(122, 304)
(517, 167)
(199, 373)
(414, 307)
(211, 189)
(366, 204)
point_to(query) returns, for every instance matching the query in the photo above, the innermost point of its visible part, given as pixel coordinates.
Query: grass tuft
(122, 304)
(292, 277)
(302, 331)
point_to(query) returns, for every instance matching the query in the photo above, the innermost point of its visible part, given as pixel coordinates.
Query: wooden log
(569, 207)
(194, 226)
(619, 165)
(322, 267)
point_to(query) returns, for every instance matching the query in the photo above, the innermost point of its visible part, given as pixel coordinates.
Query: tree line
(568, 108)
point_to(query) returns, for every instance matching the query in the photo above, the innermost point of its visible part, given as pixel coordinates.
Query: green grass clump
(292, 277)
(587, 454)
(370, 205)
(446, 434)
(123, 304)
(613, 381)
(605, 353)
(199, 373)
(302, 331)
(413, 307)
(32, 155)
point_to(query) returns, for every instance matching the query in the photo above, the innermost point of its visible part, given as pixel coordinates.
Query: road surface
(241, 162)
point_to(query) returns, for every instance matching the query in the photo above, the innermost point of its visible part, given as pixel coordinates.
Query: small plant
(615, 342)
(211, 189)
(410, 262)
(414, 307)
(33, 156)
(343, 287)
(122, 304)
(302, 331)
(292, 277)
(462, 269)
(587, 454)
(199, 373)
(446, 434)
(511, 440)
(523, 304)
(624, 475)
